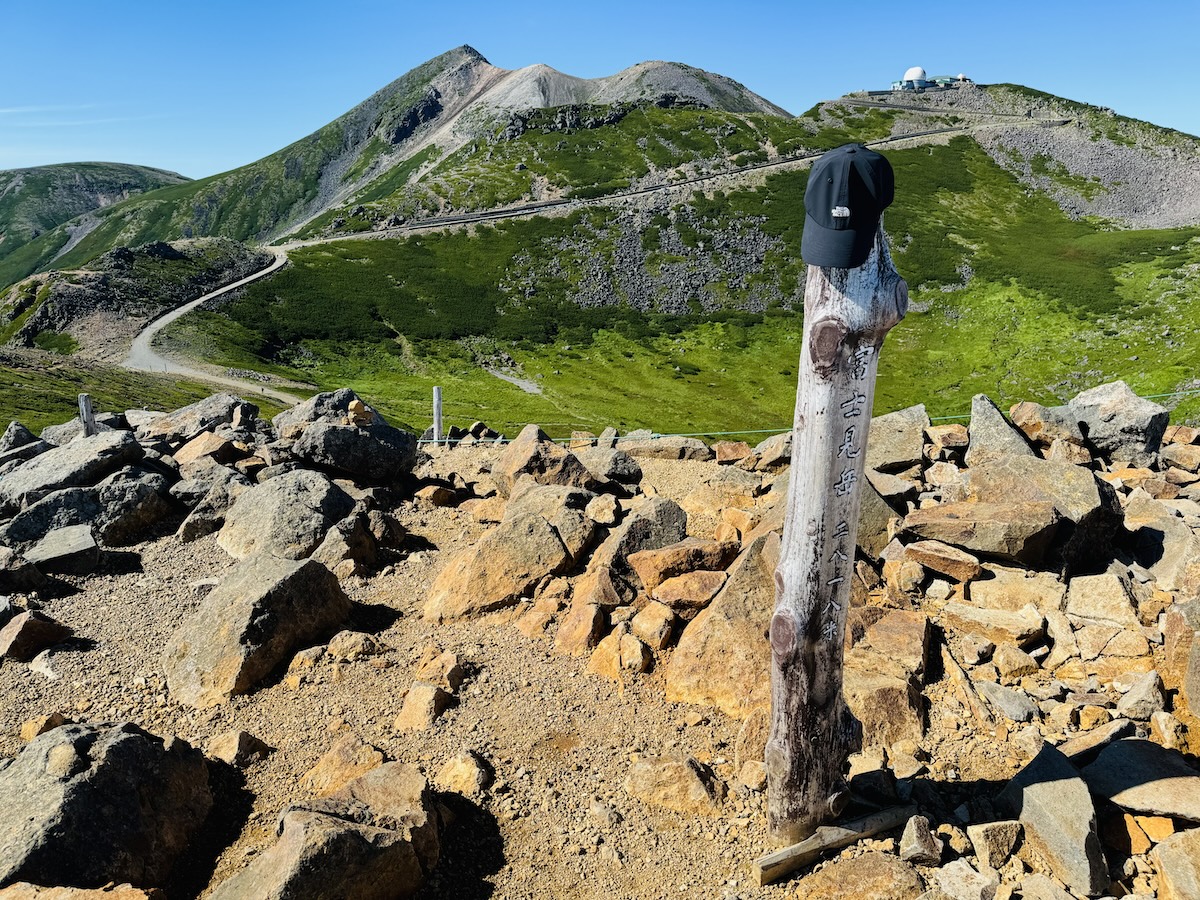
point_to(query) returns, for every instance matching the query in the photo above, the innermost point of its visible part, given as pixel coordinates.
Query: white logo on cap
(840, 212)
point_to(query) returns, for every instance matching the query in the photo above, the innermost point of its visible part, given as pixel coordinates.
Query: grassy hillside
(33, 201)
(38, 389)
(1010, 297)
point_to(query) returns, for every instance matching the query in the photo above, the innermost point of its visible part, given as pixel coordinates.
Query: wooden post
(437, 416)
(86, 415)
(847, 314)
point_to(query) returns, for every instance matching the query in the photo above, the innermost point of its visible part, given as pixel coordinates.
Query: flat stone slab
(1143, 777)
(69, 551)
(1052, 802)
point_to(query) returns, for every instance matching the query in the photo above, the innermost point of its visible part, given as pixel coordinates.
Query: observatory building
(915, 79)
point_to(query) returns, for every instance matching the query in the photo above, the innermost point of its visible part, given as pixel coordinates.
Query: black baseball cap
(848, 189)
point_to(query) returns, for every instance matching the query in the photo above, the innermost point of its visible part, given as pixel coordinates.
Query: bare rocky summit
(528, 670)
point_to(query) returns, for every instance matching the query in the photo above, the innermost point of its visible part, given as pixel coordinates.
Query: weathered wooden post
(852, 298)
(437, 416)
(86, 415)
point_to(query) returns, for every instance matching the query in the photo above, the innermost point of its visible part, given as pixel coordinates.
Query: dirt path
(142, 356)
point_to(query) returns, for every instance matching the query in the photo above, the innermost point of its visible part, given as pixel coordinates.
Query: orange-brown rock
(347, 759)
(939, 557)
(723, 658)
(658, 565)
(690, 592)
(533, 455)
(580, 629)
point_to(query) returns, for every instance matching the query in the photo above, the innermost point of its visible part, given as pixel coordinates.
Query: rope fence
(710, 434)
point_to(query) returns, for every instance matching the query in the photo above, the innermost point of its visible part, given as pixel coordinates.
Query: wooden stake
(437, 416)
(775, 865)
(847, 314)
(86, 415)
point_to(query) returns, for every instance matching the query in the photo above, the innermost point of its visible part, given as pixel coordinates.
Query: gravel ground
(556, 823)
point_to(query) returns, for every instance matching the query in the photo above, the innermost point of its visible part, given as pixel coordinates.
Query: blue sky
(202, 87)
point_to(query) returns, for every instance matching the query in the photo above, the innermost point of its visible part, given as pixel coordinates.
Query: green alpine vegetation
(1010, 297)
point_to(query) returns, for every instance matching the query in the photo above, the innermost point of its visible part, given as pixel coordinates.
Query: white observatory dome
(916, 73)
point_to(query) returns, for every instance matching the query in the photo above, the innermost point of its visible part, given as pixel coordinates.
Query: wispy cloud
(75, 123)
(41, 110)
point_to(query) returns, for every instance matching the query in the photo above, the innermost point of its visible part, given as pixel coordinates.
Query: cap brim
(845, 248)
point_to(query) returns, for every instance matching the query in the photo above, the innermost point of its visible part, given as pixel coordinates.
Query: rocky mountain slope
(95, 312)
(526, 671)
(36, 200)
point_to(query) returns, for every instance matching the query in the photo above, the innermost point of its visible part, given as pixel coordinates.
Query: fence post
(847, 314)
(437, 416)
(86, 415)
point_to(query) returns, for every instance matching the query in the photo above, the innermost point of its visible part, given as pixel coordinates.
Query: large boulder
(88, 805)
(723, 658)
(1120, 424)
(79, 463)
(1164, 544)
(534, 455)
(1021, 532)
(286, 516)
(498, 569)
(338, 431)
(613, 465)
(374, 839)
(262, 610)
(1144, 778)
(1090, 511)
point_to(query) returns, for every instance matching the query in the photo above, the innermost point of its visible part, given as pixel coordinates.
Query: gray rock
(613, 465)
(182, 425)
(68, 551)
(208, 515)
(263, 610)
(28, 634)
(1120, 424)
(1013, 705)
(1039, 887)
(1164, 544)
(58, 509)
(59, 435)
(994, 842)
(610, 580)
(1144, 699)
(1142, 777)
(1080, 750)
(374, 839)
(327, 434)
(82, 462)
(669, 447)
(992, 437)
(16, 455)
(287, 516)
(86, 804)
(896, 440)
(1091, 513)
(1053, 804)
(1020, 532)
(918, 844)
(960, 881)
(18, 574)
(16, 435)
(608, 438)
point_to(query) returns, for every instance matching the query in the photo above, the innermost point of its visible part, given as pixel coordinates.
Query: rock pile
(1021, 651)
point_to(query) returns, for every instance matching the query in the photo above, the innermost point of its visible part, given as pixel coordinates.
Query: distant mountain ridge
(36, 200)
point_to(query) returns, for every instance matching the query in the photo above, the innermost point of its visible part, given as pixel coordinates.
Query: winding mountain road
(142, 356)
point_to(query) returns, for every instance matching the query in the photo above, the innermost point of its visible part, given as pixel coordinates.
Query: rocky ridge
(539, 670)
